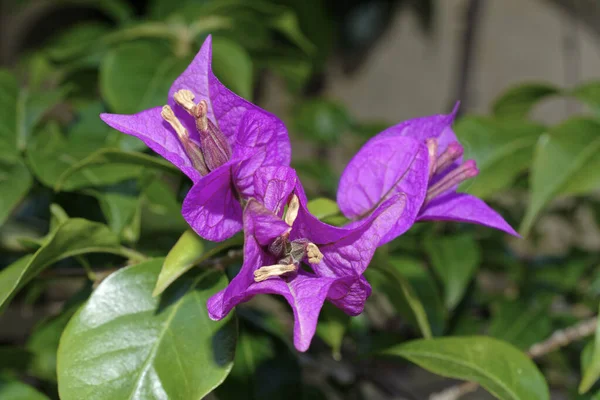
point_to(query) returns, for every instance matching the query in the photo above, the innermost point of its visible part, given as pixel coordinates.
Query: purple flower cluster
(237, 156)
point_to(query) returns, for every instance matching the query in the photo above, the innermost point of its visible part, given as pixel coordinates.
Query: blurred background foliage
(70, 186)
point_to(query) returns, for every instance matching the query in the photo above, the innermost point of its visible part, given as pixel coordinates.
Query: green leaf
(322, 121)
(9, 104)
(190, 250)
(566, 161)
(332, 326)
(264, 368)
(588, 93)
(502, 148)
(518, 101)
(43, 341)
(591, 371)
(15, 182)
(233, 66)
(520, 324)
(389, 279)
(117, 165)
(323, 208)
(455, 260)
(71, 165)
(15, 390)
(125, 343)
(122, 212)
(136, 76)
(72, 237)
(497, 366)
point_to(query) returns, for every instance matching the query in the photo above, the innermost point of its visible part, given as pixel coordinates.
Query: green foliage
(125, 342)
(498, 367)
(590, 364)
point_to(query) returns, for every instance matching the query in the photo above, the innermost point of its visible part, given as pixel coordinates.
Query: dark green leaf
(117, 165)
(588, 93)
(332, 327)
(122, 212)
(233, 66)
(190, 250)
(591, 369)
(72, 237)
(520, 324)
(389, 279)
(518, 101)
(137, 76)
(322, 121)
(455, 260)
(125, 343)
(15, 182)
(502, 148)
(566, 161)
(497, 366)
(264, 368)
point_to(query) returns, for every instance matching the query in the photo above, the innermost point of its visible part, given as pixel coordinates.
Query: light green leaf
(323, 208)
(233, 66)
(566, 161)
(332, 326)
(15, 390)
(497, 366)
(126, 344)
(117, 165)
(591, 369)
(502, 148)
(455, 259)
(518, 101)
(72, 237)
(136, 76)
(15, 182)
(190, 250)
(389, 279)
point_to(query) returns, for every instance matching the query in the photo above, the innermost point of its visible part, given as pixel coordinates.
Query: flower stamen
(452, 153)
(269, 271)
(292, 211)
(460, 174)
(313, 253)
(432, 146)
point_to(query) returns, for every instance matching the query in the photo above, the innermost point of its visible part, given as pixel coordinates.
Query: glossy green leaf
(117, 165)
(233, 66)
(323, 207)
(497, 366)
(566, 161)
(519, 323)
(16, 390)
(125, 343)
(502, 148)
(136, 76)
(591, 371)
(455, 260)
(332, 326)
(15, 182)
(264, 368)
(518, 101)
(9, 117)
(390, 280)
(72, 237)
(189, 251)
(322, 121)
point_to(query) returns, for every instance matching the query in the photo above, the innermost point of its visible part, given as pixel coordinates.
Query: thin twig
(469, 35)
(558, 339)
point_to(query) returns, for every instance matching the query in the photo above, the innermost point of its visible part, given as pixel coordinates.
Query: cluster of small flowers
(237, 156)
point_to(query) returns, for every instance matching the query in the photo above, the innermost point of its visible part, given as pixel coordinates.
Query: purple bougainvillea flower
(216, 138)
(276, 244)
(421, 158)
